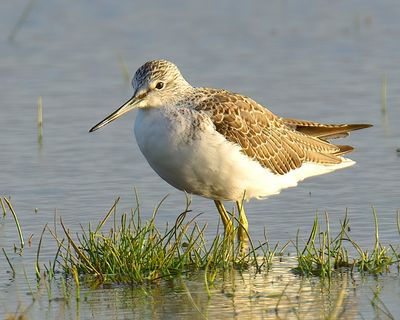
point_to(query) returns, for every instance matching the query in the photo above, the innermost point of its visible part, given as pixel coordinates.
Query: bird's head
(157, 83)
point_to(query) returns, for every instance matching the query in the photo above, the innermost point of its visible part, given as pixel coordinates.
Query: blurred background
(328, 61)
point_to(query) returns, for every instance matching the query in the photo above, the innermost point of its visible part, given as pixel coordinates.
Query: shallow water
(276, 294)
(318, 61)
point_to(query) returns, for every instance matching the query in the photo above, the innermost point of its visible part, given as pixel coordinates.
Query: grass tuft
(137, 252)
(322, 255)
(376, 261)
(124, 249)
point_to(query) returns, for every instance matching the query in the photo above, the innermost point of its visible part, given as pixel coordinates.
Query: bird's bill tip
(94, 128)
(102, 123)
(127, 106)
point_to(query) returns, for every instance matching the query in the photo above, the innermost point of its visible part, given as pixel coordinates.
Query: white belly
(201, 161)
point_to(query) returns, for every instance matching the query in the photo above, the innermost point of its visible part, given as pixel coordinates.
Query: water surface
(318, 61)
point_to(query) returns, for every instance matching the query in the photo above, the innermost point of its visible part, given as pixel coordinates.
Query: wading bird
(223, 145)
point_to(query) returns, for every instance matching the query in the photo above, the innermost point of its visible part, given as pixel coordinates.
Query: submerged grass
(384, 94)
(379, 306)
(18, 225)
(40, 121)
(322, 255)
(378, 259)
(136, 252)
(126, 249)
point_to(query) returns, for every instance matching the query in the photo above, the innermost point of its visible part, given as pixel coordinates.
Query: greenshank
(222, 145)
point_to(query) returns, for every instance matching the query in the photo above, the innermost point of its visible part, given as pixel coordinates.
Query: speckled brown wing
(262, 135)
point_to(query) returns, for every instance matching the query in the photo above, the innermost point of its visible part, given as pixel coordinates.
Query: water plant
(126, 249)
(378, 259)
(133, 251)
(322, 255)
(18, 225)
(40, 121)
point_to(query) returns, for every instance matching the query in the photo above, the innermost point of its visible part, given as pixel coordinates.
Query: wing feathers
(280, 144)
(323, 131)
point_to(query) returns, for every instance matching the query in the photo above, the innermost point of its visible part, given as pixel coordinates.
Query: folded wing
(278, 144)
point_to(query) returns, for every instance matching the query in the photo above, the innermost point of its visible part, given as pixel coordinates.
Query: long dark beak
(127, 106)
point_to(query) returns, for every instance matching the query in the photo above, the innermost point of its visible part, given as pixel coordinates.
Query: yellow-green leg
(243, 228)
(226, 219)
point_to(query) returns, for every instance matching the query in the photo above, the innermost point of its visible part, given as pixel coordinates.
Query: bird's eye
(159, 85)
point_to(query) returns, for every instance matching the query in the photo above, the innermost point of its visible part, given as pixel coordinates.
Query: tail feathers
(324, 131)
(343, 149)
